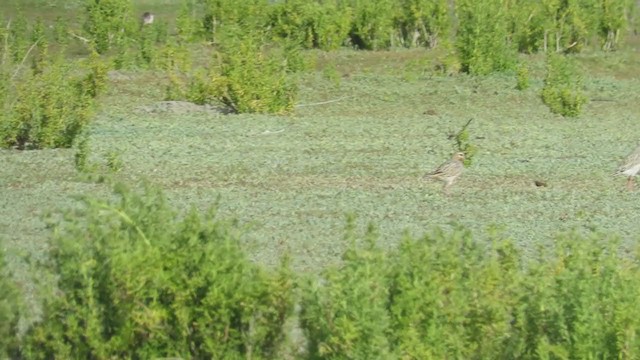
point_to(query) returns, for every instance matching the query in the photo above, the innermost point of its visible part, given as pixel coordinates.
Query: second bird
(448, 172)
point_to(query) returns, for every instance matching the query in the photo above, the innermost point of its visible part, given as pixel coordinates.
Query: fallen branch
(15, 73)
(85, 40)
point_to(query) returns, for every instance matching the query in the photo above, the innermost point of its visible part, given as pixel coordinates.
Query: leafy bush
(108, 22)
(462, 143)
(249, 77)
(250, 15)
(372, 27)
(187, 25)
(482, 37)
(18, 41)
(562, 91)
(9, 310)
(61, 31)
(446, 295)
(424, 22)
(522, 77)
(134, 281)
(578, 303)
(613, 21)
(451, 297)
(343, 313)
(323, 25)
(48, 106)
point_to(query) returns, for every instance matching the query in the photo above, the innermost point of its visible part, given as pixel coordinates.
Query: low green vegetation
(136, 280)
(562, 91)
(10, 306)
(446, 295)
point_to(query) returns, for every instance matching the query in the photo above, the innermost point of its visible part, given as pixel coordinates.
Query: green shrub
(47, 107)
(344, 312)
(249, 77)
(10, 306)
(613, 21)
(578, 303)
(147, 48)
(462, 143)
(322, 25)
(61, 31)
(448, 295)
(187, 25)
(373, 27)
(452, 297)
(249, 15)
(522, 77)
(424, 22)
(332, 25)
(136, 281)
(562, 90)
(18, 41)
(95, 81)
(108, 22)
(482, 37)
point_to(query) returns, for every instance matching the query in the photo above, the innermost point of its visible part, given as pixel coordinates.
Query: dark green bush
(312, 24)
(18, 41)
(562, 91)
(108, 23)
(373, 27)
(522, 77)
(447, 295)
(9, 310)
(344, 312)
(424, 22)
(249, 77)
(136, 281)
(578, 303)
(482, 37)
(249, 15)
(452, 297)
(47, 107)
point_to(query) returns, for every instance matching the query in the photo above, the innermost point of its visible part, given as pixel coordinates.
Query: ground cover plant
(355, 134)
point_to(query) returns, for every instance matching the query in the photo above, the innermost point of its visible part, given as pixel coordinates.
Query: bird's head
(459, 156)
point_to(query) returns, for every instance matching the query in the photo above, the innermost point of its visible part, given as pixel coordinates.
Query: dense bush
(247, 75)
(254, 79)
(136, 281)
(424, 22)
(108, 23)
(344, 312)
(562, 91)
(9, 310)
(482, 37)
(250, 15)
(313, 25)
(446, 295)
(49, 105)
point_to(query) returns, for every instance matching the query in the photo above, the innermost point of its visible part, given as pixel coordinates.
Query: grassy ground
(292, 179)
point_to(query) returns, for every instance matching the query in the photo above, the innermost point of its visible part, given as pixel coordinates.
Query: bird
(147, 18)
(448, 171)
(631, 167)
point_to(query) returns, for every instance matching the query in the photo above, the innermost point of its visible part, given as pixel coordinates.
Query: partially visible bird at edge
(630, 168)
(448, 172)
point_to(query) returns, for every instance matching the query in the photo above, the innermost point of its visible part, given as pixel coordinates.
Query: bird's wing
(445, 169)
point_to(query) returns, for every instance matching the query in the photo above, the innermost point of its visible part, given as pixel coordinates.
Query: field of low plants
(244, 179)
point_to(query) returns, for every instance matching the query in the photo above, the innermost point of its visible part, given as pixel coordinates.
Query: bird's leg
(446, 189)
(630, 183)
